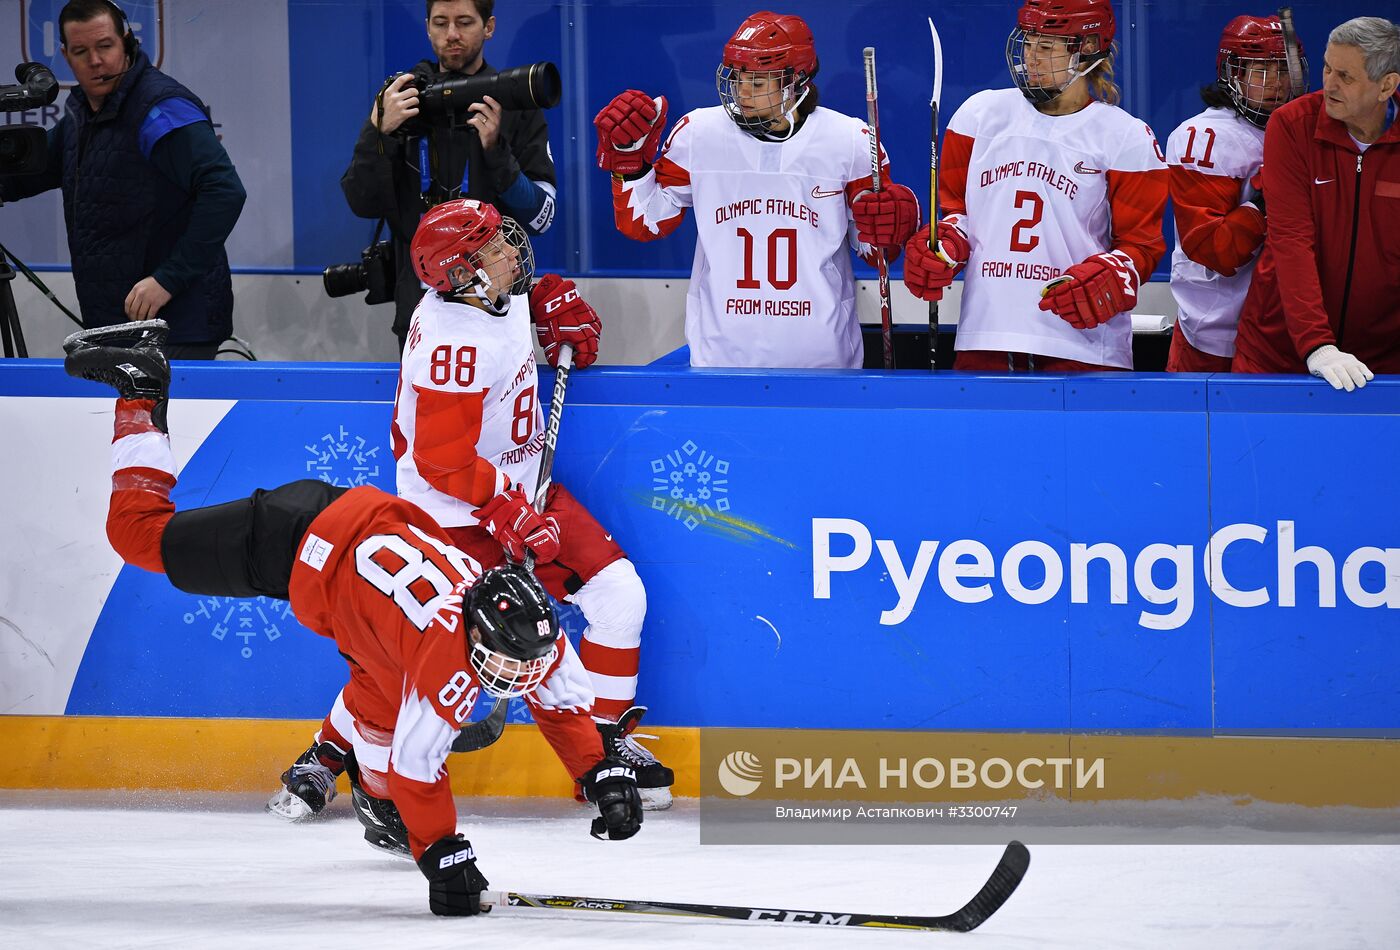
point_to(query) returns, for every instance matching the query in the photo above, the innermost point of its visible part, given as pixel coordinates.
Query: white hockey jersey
(1039, 194)
(467, 419)
(1212, 157)
(771, 284)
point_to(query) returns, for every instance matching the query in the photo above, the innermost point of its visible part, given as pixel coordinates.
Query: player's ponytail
(1101, 84)
(808, 105)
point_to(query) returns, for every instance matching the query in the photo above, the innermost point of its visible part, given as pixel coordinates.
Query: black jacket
(384, 181)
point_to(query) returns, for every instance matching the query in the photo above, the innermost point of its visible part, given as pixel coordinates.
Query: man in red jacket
(1326, 293)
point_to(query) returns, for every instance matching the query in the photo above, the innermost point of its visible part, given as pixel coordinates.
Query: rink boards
(1114, 556)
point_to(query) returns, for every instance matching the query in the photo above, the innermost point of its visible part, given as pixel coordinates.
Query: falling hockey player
(425, 630)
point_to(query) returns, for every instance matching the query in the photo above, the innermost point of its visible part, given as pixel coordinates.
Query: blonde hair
(1101, 84)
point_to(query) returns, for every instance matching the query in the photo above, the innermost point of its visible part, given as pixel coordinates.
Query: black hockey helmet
(519, 630)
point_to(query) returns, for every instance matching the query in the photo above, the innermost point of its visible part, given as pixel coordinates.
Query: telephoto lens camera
(536, 86)
(374, 274)
(24, 148)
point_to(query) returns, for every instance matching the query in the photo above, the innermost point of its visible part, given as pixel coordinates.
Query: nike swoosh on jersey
(1083, 169)
(818, 193)
(1323, 181)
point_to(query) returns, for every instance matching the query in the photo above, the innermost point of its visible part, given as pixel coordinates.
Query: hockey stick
(995, 892)
(481, 734)
(882, 265)
(933, 187)
(1296, 79)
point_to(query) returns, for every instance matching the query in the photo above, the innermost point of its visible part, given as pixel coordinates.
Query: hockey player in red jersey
(1214, 159)
(780, 187)
(426, 632)
(1052, 201)
(467, 436)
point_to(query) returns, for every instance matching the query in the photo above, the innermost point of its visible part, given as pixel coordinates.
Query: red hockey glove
(629, 132)
(562, 316)
(886, 219)
(927, 273)
(1093, 291)
(517, 526)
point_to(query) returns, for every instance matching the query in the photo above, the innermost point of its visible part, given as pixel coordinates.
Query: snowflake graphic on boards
(246, 618)
(343, 460)
(690, 485)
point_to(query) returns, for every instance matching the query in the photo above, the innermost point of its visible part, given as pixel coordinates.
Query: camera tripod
(11, 333)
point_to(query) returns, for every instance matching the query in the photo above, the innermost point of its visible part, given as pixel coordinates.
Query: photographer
(149, 194)
(409, 159)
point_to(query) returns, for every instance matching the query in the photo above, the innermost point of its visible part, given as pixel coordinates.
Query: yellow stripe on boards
(248, 755)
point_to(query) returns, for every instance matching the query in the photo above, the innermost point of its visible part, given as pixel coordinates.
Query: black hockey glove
(454, 883)
(612, 786)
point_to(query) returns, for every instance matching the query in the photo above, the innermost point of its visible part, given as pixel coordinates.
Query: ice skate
(654, 780)
(309, 785)
(126, 357)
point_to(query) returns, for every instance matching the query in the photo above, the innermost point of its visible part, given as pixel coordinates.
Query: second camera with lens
(374, 275)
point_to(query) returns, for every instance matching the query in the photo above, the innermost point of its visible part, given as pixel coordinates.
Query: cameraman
(149, 194)
(404, 165)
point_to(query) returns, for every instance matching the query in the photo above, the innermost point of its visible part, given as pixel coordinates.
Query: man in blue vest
(149, 194)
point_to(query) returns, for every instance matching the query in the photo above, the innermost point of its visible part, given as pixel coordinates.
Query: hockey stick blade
(1296, 80)
(999, 887)
(481, 734)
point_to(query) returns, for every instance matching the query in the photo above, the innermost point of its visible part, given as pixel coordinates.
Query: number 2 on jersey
(777, 256)
(1027, 242)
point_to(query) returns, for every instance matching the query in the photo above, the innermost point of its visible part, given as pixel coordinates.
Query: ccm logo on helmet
(466, 854)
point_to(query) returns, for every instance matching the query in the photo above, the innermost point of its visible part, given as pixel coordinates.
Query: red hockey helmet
(1078, 22)
(765, 74)
(1251, 43)
(1079, 19)
(457, 242)
(772, 41)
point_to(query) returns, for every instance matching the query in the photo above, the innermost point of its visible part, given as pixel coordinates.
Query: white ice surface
(84, 871)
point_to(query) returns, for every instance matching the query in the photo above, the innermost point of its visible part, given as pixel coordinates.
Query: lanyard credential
(425, 176)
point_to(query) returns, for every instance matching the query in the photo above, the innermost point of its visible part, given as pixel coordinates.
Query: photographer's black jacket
(383, 180)
(148, 191)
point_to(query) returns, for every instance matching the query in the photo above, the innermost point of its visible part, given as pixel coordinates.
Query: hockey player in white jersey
(780, 188)
(1214, 158)
(1052, 201)
(467, 435)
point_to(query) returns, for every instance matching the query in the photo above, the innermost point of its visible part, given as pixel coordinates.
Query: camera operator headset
(450, 128)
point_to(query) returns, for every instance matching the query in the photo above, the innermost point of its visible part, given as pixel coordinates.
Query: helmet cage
(471, 274)
(1236, 77)
(506, 677)
(1077, 62)
(792, 88)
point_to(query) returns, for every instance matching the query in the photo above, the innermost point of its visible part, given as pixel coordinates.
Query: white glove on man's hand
(1342, 370)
